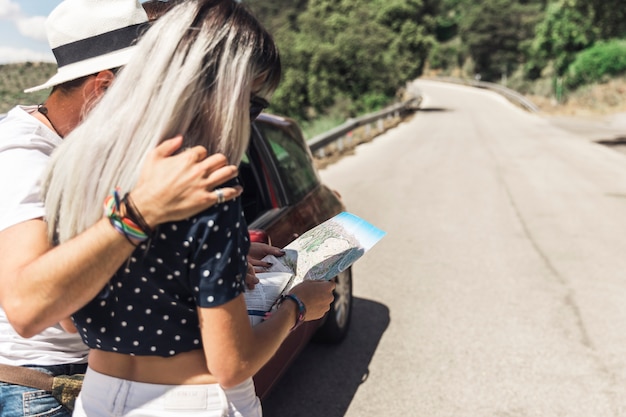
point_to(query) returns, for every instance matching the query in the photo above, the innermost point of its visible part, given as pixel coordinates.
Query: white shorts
(106, 396)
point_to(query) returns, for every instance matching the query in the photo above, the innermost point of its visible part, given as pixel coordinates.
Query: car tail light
(259, 236)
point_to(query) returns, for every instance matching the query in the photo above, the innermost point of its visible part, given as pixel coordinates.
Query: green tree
(603, 60)
(608, 17)
(277, 15)
(349, 56)
(495, 33)
(448, 17)
(353, 51)
(563, 32)
(412, 25)
(321, 58)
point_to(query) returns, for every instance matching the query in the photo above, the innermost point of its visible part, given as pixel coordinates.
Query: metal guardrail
(319, 142)
(339, 133)
(512, 95)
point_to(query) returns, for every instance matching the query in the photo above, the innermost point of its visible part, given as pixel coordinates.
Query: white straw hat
(88, 36)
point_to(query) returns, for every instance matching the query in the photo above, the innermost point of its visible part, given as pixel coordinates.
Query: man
(40, 285)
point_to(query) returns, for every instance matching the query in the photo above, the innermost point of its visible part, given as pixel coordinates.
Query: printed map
(319, 254)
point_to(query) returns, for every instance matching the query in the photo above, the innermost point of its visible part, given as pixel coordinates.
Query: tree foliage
(411, 25)
(608, 17)
(495, 33)
(563, 32)
(604, 59)
(350, 56)
(527, 38)
(347, 51)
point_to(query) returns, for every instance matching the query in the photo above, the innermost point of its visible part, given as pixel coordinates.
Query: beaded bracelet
(299, 304)
(121, 222)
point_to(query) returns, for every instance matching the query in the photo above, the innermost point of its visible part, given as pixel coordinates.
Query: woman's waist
(187, 368)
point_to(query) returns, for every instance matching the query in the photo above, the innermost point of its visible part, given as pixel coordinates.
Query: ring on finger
(220, 195)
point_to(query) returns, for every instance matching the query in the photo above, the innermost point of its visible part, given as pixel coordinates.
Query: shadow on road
(431, 109)
(617, 144)
(324, 378)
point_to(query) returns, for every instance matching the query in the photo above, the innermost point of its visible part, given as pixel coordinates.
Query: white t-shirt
(25, 148)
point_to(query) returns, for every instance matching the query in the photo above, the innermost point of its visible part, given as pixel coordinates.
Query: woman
(170, 333)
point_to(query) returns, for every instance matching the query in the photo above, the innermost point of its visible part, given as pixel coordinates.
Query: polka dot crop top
(149, 306)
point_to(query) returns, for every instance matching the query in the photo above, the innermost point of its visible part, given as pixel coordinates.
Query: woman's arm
(235, 350)
(41, 285)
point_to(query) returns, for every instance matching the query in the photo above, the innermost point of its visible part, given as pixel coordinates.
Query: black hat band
(98, 45)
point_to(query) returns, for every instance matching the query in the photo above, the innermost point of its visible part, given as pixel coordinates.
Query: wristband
(133, 213)
(113, 210)
(301, 309)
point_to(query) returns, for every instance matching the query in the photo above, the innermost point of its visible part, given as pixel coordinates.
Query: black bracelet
(123, 224)
(301, 309)
(135, 215)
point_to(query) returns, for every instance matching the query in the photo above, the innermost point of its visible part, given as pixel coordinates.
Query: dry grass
(589, 101)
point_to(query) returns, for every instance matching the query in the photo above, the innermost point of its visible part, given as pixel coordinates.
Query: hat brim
(87, 67)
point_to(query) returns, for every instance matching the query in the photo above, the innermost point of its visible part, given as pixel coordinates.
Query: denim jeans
(19, 401)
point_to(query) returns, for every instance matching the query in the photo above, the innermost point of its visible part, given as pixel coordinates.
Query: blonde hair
(192, 74)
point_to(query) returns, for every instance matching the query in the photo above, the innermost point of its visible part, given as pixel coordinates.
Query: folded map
(321, 253)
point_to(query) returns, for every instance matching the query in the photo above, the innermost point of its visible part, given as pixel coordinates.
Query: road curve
(500, 289)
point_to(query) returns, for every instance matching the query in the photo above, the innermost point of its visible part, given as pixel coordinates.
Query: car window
(293, 161)
(255, 198)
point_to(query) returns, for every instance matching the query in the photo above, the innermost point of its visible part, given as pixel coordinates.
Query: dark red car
(284, 197)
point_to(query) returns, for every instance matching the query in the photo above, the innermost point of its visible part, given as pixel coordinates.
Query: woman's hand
(251, 278)
(316, 297)
(257, 252)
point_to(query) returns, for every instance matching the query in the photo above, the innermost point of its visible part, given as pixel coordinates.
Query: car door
(284, 197)
(290, 198)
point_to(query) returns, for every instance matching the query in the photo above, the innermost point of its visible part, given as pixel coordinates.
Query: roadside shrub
(603, 60)
(372, 102)
(444, 56)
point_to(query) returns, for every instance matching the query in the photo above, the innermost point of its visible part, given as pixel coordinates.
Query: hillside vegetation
(594, 99)
(342, 58)
(14, 78)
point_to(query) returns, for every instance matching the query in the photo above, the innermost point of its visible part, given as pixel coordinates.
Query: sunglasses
(257, 105)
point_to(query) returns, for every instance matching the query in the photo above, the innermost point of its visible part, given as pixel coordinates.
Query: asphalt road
(500, 289)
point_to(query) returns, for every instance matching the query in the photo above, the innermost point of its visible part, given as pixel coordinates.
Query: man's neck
(61, 113)
(42, 110)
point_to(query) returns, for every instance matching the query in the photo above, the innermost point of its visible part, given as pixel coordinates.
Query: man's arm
(41, 285)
